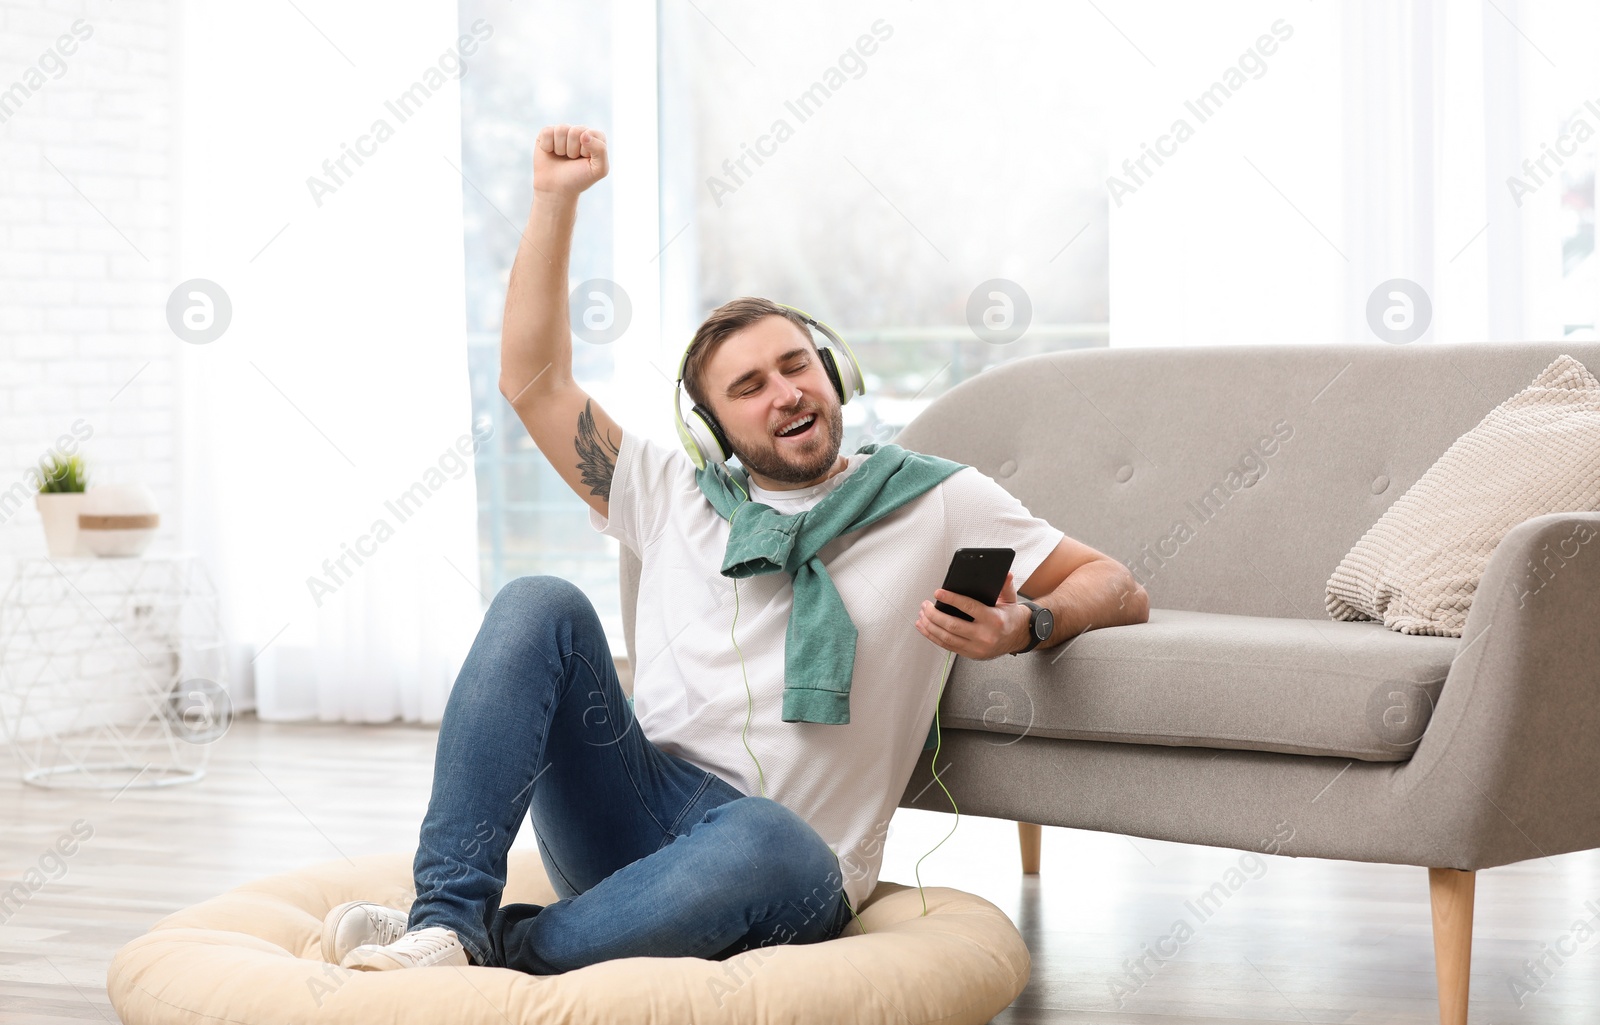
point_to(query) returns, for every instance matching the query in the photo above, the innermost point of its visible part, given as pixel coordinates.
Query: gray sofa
(1240, 715)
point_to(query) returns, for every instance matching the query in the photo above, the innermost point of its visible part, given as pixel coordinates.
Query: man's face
(764, 378)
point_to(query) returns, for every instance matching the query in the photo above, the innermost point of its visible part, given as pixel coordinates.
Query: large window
(958, 237)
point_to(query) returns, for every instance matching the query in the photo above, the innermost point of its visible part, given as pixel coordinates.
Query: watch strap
(1034, 609)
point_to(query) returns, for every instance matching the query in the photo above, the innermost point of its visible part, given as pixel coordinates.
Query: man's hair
(727, 319)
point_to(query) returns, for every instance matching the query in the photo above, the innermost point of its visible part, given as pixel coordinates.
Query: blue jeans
(649, 855)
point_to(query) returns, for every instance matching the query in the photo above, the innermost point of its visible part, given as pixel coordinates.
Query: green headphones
(704, 439)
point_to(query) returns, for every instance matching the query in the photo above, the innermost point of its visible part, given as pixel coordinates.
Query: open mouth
(800, 428)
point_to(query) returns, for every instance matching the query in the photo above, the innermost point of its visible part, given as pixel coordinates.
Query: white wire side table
(113, 671)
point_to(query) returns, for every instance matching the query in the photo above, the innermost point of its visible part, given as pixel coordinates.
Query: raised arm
(578, 437)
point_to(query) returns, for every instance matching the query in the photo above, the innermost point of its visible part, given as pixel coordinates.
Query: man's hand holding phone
(994, 630)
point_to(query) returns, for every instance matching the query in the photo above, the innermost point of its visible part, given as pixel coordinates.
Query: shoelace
(425, 943)
(388, 927)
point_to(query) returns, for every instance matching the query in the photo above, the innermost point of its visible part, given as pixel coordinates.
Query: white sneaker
(425, 948)
(357, 923)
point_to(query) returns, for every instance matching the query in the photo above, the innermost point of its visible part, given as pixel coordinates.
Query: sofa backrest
(1130, 450)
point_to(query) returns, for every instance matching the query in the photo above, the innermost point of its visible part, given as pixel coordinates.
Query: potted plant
(62, 481)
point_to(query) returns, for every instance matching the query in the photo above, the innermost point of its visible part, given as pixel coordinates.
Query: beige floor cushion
(252, 956)
(1537, 452)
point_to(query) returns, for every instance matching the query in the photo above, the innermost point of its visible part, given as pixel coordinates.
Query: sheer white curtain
(1456, 122)
(1378, 144)
(327, 442)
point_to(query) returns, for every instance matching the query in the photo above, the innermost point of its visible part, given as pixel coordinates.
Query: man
(708, 824)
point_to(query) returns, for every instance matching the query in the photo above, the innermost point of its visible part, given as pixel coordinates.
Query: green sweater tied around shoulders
(820, 646)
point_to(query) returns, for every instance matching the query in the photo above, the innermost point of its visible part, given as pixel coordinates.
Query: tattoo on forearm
(597, 455)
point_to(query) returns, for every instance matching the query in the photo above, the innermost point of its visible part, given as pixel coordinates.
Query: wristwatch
(1040, 625)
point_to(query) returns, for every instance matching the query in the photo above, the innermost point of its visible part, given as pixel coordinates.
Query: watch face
(1044, 624)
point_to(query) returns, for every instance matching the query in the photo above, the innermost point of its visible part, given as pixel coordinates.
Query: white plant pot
(58, 510)
(117, 520)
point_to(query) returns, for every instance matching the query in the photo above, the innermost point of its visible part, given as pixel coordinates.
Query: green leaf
(62, 474)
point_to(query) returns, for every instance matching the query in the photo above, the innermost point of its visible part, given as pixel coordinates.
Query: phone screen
(978, 573)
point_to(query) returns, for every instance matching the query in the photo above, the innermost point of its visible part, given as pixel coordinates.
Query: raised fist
(568, 159)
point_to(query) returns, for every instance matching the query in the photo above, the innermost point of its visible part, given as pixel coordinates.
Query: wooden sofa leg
(1028, 834)
(1452, 893)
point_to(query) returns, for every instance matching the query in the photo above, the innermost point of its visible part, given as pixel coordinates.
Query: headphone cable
(761, 774)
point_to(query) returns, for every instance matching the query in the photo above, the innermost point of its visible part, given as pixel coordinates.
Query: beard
(796, 464)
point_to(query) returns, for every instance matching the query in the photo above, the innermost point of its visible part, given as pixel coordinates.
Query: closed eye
(793, 369)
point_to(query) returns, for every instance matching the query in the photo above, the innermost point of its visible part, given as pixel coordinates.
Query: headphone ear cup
(709, 434)
(831, 366)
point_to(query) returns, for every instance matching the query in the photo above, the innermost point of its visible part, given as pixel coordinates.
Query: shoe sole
(380, 962)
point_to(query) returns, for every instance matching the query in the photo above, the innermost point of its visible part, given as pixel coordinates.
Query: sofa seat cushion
(1201, 679)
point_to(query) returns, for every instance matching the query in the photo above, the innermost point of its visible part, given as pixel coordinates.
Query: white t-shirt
(845, 780)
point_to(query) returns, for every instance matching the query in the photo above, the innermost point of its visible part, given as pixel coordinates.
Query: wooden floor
(1301, 941)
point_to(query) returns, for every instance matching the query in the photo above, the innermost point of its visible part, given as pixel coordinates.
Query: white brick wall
(81, 310)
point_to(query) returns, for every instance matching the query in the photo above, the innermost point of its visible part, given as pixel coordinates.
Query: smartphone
(978, 573)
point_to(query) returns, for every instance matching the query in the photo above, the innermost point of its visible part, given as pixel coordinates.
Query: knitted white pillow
(1537, 452)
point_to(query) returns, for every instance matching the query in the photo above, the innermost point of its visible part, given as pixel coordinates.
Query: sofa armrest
(1517, 726)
